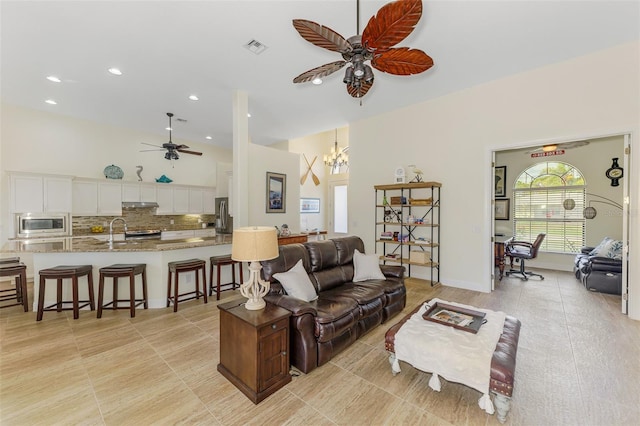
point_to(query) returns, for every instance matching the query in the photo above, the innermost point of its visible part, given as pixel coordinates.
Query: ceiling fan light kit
(392, 24)
(172, 148)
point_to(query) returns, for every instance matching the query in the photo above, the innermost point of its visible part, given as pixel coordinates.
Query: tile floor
(577, 364)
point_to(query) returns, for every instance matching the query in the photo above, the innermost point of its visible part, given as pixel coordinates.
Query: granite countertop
(89, 244)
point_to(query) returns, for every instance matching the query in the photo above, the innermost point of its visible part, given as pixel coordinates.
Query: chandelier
(337, 158)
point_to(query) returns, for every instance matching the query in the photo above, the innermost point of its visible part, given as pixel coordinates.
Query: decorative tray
(455, 316)
(113, 172)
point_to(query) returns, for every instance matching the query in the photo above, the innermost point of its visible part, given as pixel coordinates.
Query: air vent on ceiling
(255, 46)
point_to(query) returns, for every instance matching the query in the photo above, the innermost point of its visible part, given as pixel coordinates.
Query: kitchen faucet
(111, 227)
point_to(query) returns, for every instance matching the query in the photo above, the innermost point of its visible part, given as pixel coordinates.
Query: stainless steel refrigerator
(224, 222)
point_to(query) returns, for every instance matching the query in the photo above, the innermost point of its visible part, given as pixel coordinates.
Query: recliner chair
(522, 250)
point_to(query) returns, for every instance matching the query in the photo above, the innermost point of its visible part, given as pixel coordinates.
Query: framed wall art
(276, 192)
(501, 209)
(500, 181)
(309, 205)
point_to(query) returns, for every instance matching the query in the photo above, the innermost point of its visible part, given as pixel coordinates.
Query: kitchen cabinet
(33, 193)
(164, 197)
(196, 201)
(96, 198)
(185, 199)
(136, 192)
(254, 348)
(177, 235)
(180, 199)
(207, 232)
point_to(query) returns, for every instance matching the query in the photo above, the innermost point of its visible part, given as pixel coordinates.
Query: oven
(30, 225)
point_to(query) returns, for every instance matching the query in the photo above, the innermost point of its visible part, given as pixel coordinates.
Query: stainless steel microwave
(37, 225)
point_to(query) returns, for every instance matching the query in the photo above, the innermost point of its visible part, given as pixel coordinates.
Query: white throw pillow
(611, 249)
(296, 283)
(366, 267)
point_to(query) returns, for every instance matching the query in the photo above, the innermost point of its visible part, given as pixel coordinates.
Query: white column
(240, 159)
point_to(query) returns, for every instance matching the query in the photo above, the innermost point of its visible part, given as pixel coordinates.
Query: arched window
(549, 198)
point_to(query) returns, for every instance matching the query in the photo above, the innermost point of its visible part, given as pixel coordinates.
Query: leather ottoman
(503, 362)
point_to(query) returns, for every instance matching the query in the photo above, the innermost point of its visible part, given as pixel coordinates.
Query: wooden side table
(254, 348)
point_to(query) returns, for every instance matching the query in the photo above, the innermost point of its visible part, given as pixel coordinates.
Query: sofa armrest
(586, 250)
(604, 263)
(392, 271)
(297, 307)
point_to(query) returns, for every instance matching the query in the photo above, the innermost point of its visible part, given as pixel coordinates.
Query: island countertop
(90, 244)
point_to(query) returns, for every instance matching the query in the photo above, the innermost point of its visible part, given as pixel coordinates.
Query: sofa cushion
(366, 267)
(345, 247)
(289, 255)
(296, 283)
(322, 255)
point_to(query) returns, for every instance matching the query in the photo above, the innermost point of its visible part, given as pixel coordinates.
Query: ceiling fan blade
(147, 150)
(319, 72)
(321, 36)
(359, 91)
(184, 151)
(392, 24)
(150, 144)
(402, 61)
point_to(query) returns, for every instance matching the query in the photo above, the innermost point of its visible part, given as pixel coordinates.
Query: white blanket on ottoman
(456, 355)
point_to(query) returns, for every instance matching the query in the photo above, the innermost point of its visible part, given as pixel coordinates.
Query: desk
(498, 252)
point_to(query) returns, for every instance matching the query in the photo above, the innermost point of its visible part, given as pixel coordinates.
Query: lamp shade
(254, 243)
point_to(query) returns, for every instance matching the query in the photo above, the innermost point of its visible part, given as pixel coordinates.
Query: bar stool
(60, 273)
(218, 262)
(178, 267)
(12, 267)
(120, 271)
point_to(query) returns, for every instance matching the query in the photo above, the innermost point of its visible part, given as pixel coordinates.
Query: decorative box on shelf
(419, 256)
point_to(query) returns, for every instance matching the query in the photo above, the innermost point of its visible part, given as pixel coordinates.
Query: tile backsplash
(140, 219)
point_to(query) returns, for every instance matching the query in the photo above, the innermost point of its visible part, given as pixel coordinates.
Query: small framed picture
(501, 209)
(276, 192)
(500, 181)
(309, 205)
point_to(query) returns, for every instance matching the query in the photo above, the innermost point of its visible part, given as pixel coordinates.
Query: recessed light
(317, 81)
(51, 102)
(115, 71)
(208, 137)
(249, 115)
(194, 97)
(54, 79)
(168, 128)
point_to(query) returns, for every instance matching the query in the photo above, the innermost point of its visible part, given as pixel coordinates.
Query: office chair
(521, 250)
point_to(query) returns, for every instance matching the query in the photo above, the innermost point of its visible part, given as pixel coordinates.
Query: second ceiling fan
(172, 148)
(392, 24)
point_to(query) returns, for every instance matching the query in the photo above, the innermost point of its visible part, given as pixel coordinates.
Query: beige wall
(265, 159)
(451, 139)
(317, 146)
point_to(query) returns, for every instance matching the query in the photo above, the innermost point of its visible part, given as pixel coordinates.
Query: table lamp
(253, 244)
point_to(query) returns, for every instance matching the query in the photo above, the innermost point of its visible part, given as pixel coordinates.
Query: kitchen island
(92, 251)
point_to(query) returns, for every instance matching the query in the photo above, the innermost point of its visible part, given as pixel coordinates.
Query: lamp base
(255, 304)
(254, 289)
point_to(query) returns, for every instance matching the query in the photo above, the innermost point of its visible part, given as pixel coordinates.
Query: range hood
(139, 204)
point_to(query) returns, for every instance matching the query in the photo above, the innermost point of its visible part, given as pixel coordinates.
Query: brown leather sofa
(344, 310)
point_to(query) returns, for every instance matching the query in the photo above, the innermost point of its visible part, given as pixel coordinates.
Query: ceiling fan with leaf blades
(172, 148)
(555, 147)
(392, 24)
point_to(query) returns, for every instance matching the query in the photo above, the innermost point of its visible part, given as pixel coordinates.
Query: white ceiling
(168, 50)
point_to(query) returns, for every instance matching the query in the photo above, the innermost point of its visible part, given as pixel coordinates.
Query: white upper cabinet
(97, 198)
(32, 193)
(164, 197)
(196, 200)
(180, 199)
(135, 192)
(209, 202)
